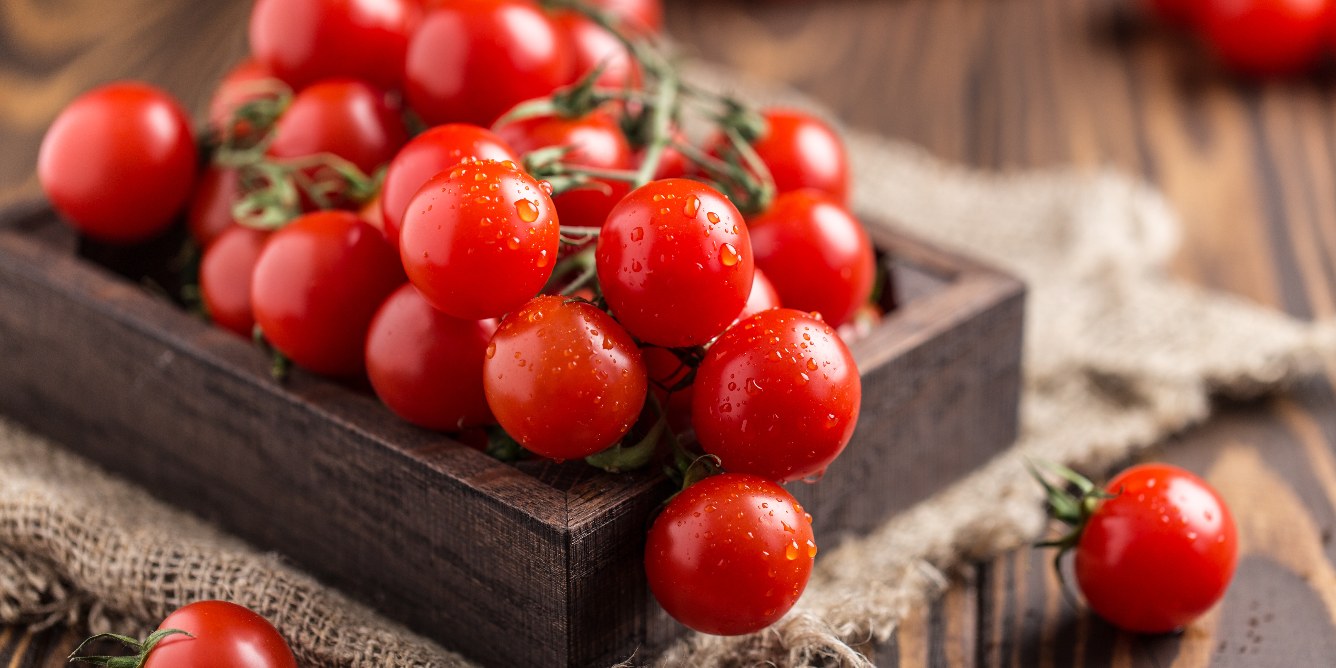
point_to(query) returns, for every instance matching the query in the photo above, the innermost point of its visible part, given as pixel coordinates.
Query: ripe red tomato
(675, 262)
(563, 378)
(762, 298)
(225, 274)
(1160, 553)
(672, 164)
(816, 254)
(666, 371)
(210, 211)
(119, 162)
(245, 83)
(303, 41)
(801, 151)
(348, 118)
(429, 154)
(427, 366)
(730, 554)
(597, 142)
(777, 396)
(593, 46)
(316, 286)
(471, 60)
(225, 635)
(1266, 37)
(637, 15)
(480, 239)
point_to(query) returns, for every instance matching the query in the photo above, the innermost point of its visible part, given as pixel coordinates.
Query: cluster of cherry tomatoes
(1257, 37)
(487, 209)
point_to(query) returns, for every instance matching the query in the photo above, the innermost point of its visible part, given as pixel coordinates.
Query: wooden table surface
(992, 83)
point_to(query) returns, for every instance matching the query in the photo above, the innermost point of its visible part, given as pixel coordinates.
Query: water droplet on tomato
(728, 255)
(811, 549)
(803, 378)
(712, 217)
(791, 550)
(692, 207)
(636, 266)
(527, 210)
(607, 343)
(637, 234)
(491, 350)
(513, 243)
(542, 259)
(545, 187)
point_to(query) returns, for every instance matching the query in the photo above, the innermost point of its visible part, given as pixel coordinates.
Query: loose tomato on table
(206, 634)
(119, 162)
(730, 554)
(225, 276)
(1266, 37)
(303, 41)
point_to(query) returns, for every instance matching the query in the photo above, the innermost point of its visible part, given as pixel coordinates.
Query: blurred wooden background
(992, 83)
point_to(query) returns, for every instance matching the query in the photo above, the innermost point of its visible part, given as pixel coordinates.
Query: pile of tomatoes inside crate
(490, 210)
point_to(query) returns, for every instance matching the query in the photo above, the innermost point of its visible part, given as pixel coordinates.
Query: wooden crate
(536, 564)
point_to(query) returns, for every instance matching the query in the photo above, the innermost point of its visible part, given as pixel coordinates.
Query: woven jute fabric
(1118, 356)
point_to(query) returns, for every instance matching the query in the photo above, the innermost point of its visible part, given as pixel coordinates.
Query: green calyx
(141, 649)
(1072, 509)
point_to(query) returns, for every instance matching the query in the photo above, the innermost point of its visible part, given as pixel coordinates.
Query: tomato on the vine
(1266, 37)
(119, 162)
(248, 82)
(426, 366)
(222, 635)
(593, 46)
(316, 286)
(637, 16)
(596, 142)
(225, 274)
(210, 210)
(816, 254)
(801, 151)
(675, 262)
(303, 41)
(777, 396)
(763, 296)
(1157, 554)
(480, 239)
(471, 60)
(730, 554)
(348, 118)
(429, 154)
(563, 378)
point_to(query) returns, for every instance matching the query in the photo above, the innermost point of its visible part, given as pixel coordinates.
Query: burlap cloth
(1117, 357)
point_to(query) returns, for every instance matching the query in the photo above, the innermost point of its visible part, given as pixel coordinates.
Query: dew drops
(607, 343)
(712, 217)
(791, 550)
(527, 209)
(658, 197)
(786, 526)
(811, 549)
(513, 243)
(482, 199)
(692, 207)
(753, 387)
(542, 259)
(636, 266)
(803, 378)
(491, 350)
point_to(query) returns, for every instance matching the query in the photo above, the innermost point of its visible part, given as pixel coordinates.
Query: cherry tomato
(596, 142)
(471, 60)
(730, 554)
(593, 46)
(427, 366)
(816, 254)
(210, 211)
(225, 635)
(672, 164)
(303, 41)
(225, 274)
(1266, 37)
(429, 154)
(801, 151)
(480, 239)
(249, 81)
(119, 162)
(1160, 553)
(762, 298)
(777, 396)
(637, 15)
(348, 118)
(675, 262)
(665, 372)
(316, 286)
(563, 378)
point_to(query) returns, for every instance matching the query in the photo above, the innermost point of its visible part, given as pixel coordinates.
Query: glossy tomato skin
(225, 635)
(597, 142)
(225, 274)
(303, 41)
(777, 396)
(763, 296)
(666, 371)
(428, 154)
(563, 378)
(636, 15)
(1160, 553)
(1265, 37)
(471, 60)
(592, 46)
(675, 262)
(119, 162)
(816, 254)
(249, 81)
(730, 554)
(210, 210)
(479, 240)
(316, 286)
(348, 118)
(426, 366)
(801, 151)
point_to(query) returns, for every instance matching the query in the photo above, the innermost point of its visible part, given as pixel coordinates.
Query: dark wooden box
(530, 565)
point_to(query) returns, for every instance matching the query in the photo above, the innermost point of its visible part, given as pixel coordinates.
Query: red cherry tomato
(637, 15)
(800, 151)
(210, 212)
(303, 41)
(666, 371)
(480, 239)
(427, 366)
(471, 60)
(672, 164)
(317, 285)
(225, 274)
(730, 554)
(597, 142)
(675, 262)
(593, 46)
(777, 396)
(1266, 37)
(1160, 553)
(762, 298)
(816, 254)
(348, 118)
(563, 378)
(249, 81)
(222, 635)
(119, 162)
(429, 154)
